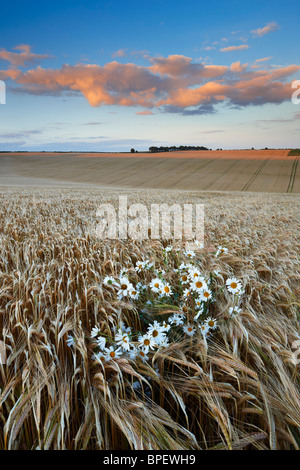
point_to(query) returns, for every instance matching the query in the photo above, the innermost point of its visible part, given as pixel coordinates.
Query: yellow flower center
(211, 323)
(233, 285)
(206, 294)
(199, 284)
(124, 286)
(166, 289)
(112, 354)
(146, 342)
(154, 333)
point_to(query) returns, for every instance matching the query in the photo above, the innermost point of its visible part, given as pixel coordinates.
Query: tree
(132, 150)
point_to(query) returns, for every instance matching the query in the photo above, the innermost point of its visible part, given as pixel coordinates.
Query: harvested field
(224, 377)
(253, 170)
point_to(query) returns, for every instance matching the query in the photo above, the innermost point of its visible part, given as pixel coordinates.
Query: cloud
(119, 53)
(19, 135)
(234, 48)
(263, 59)
(265, 30)
(22, 58)
(173, 84)
(238, 67)
(144, 113)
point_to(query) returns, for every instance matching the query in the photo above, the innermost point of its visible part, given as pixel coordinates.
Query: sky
(112, 75)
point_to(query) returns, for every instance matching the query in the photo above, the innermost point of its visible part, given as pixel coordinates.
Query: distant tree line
(173, 148)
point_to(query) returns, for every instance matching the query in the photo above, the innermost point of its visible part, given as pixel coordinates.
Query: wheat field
(271, 171)
(79, 373)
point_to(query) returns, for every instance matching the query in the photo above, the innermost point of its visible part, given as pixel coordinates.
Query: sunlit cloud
(119, 53)
(23, 57)
(173, 84)
(265, 30)
(234, 48)
(238, 67)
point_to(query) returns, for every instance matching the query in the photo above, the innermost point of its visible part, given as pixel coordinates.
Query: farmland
(230, 386)
(253, 171)
(76, 311)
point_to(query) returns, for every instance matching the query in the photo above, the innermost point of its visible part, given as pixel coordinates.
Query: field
(270, 171)
(79, 374)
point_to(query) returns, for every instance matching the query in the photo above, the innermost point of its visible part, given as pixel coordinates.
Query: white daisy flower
(142, 354)
(146, 342)
(101, 342)
(112, 353)
(133, 353)
(234, 285)
(189, 254)
(95, 332)
(203, 328)
(184, 278)
(123, 328)
(187, 293)
(164, 343)
(184, 266)
(198, 284)
(194, 272)
(211, 323)
(157, 332)
(156, 284)
(221, 250)
(109, 281)
(189, 329)
(125, 287)
(139, 265)
(134, 293)
(200, 311)
(148, 264)
(122, 339)
(166, 290)
(177, 319)
(124, 272)
(205, 295)
(165, 326)
(198, 304)
(100, 356)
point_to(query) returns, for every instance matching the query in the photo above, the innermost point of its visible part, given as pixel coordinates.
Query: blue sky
(112, 75)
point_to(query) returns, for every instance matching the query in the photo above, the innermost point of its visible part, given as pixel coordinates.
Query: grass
(235, 386)
(294, 153)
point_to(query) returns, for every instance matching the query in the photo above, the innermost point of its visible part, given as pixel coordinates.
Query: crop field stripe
(254, 176)
(219, 177)
(135, 172)
(293, 175)
(206, 163)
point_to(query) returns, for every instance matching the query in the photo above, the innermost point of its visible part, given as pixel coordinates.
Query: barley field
(271, 171)
(149, 345)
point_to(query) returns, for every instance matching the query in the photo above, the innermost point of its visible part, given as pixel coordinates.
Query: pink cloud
(175, 84)
(144, 113)
(20, 59)
(266, 29)
(234, 48)
(238, 67)
(119, 53)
